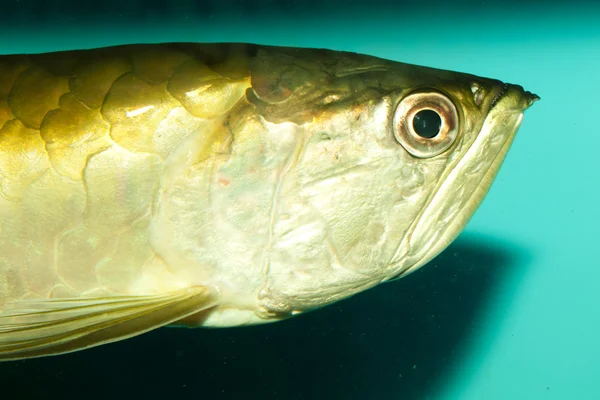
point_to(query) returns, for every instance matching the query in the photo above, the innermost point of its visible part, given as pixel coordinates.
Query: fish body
(226, 184)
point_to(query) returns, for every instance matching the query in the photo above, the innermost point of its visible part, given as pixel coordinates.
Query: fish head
(395, 160)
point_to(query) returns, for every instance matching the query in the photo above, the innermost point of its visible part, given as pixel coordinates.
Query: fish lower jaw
(455, 202)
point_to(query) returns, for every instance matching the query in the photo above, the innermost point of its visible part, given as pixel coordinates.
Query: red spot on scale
(224, 181)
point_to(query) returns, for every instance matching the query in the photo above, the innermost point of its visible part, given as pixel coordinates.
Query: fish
(226, 184)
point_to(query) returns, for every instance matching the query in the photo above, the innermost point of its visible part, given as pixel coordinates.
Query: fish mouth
(526, 98)
(465, 185)
(499, 95)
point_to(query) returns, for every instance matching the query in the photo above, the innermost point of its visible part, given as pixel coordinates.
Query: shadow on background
(399, 340)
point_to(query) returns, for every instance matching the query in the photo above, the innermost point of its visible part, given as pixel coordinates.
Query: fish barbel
(221, 185)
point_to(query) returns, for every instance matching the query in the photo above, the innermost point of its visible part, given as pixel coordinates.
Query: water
(509, 311)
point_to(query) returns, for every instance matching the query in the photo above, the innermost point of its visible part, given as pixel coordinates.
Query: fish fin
(35, 328)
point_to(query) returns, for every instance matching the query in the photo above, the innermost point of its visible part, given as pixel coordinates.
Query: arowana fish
(223, 185)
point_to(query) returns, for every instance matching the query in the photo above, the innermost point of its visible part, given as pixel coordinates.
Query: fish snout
(514, 98)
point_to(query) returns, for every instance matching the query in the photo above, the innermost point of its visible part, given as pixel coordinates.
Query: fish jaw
(466, 184)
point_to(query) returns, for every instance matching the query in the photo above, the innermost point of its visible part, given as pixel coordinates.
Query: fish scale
(85, 140)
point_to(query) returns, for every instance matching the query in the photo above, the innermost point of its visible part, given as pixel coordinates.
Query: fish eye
(426, 123)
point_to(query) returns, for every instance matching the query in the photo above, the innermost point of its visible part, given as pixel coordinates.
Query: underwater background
(511, 310)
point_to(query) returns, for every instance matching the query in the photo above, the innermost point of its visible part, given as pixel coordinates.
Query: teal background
(509, 311)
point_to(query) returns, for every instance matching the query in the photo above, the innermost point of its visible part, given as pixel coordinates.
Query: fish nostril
(478, 93)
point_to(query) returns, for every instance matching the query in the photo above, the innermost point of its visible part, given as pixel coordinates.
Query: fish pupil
(427, 123)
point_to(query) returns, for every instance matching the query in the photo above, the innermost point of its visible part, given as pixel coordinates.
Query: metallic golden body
(222, 185)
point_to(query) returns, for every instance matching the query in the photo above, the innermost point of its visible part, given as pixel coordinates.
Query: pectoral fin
(45, 327)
